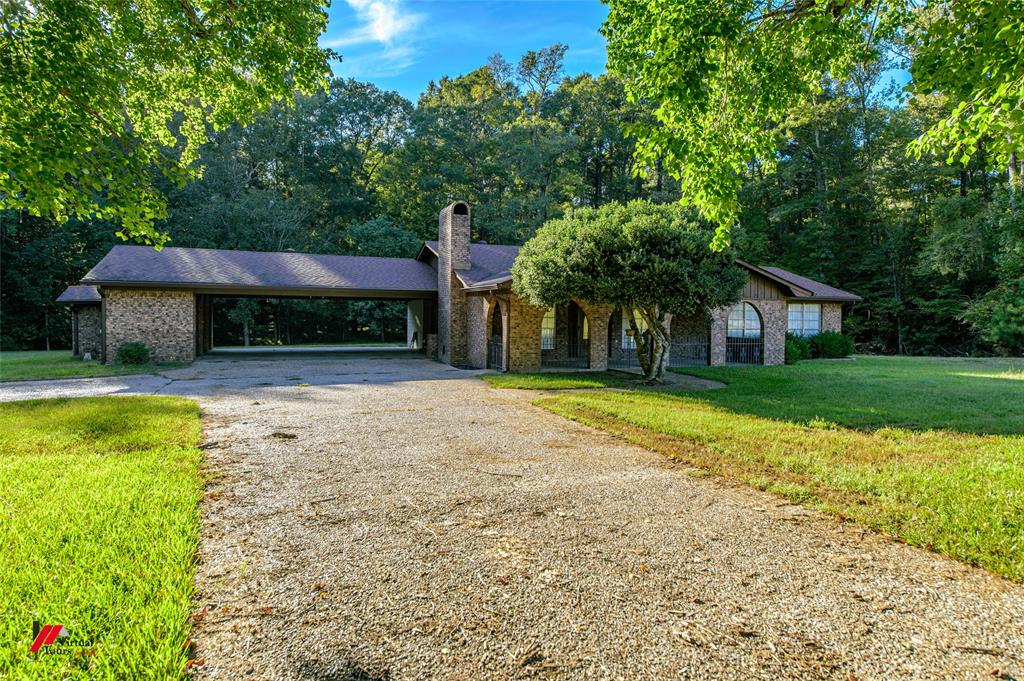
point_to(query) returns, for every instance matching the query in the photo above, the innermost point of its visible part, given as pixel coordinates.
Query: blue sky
(404, 44)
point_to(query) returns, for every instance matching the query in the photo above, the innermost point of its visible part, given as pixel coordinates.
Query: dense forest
(935, 249)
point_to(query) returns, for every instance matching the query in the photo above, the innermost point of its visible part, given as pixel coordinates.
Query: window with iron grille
(744, 322)
(805, 319)
(547, 330)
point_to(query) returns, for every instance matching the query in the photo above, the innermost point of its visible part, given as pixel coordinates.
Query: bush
(132, 353)
(830, 345)
(797, 348)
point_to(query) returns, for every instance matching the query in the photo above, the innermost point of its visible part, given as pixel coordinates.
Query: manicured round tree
(646, 258)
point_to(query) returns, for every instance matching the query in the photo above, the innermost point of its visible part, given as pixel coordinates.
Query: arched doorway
(495, 336)
(744, 341)
(565, 338)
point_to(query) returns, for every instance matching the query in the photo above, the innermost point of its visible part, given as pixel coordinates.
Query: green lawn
(99, 528)
(562, 381)
(34, 365)
(927, 450)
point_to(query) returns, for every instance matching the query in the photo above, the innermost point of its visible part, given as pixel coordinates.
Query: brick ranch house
(461, 308)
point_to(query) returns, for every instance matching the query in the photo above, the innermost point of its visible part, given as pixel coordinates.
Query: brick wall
(524, 335)
(688, 338)
(163, 320)
(453, 246)
(88, 330)
(775, 317)
(597, 320)
(719, 329)
(477, 318)
(832, 317)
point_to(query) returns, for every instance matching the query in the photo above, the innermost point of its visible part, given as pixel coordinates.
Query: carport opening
(311, 323)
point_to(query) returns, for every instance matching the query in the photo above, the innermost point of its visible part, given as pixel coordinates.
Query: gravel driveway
(397, 518)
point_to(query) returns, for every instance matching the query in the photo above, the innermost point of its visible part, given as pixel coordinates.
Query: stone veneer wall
(832, 317)
(164, 320)
(89, 330)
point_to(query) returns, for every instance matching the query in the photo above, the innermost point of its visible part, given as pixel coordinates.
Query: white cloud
(388, 62)
(381, 21)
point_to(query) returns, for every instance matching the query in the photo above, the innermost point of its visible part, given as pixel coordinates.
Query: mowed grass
(930, 451)
(43, 364)
(562, 381)
(99, 528)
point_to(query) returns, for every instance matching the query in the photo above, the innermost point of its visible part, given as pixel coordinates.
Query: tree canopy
(96, 95)
(651, 259)
(933, 248)
(724, 78)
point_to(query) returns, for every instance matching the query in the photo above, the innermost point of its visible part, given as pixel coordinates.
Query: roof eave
(271, 291)
(826, 299)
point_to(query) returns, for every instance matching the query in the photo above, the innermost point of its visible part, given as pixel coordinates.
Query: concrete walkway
(397, 518)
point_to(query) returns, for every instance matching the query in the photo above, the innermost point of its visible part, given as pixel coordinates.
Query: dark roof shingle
(202, 267)
(79, 293)
(489, 263)
(819, 290)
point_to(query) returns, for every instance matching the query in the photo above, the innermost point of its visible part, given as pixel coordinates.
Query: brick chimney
(452, 256)
(453, 234)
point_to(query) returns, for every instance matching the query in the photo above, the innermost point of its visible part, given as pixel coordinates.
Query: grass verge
(33, 365)
(98, 498)
(926, 450)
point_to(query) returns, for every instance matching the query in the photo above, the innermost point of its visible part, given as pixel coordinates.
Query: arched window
(744, 322)
(547, 330)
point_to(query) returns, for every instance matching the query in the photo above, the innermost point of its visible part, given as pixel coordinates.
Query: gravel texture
(397, 518)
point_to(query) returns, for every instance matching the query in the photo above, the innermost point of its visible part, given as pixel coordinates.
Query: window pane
(547, 330)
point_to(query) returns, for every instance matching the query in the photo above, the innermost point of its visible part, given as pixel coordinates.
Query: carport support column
(414, 324)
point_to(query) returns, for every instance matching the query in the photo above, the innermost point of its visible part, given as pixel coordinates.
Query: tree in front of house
(646, 258)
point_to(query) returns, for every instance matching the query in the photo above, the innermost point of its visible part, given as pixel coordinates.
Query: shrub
(829, 345)
(797, 348)
(132, 353)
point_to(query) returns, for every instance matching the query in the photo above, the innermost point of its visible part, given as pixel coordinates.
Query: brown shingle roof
(489, 263)
(210, 268)
(79, 293)
(817, 289)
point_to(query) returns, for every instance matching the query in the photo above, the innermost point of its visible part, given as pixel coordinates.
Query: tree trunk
(245, 332)
(652, 344)
(1016, 175)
